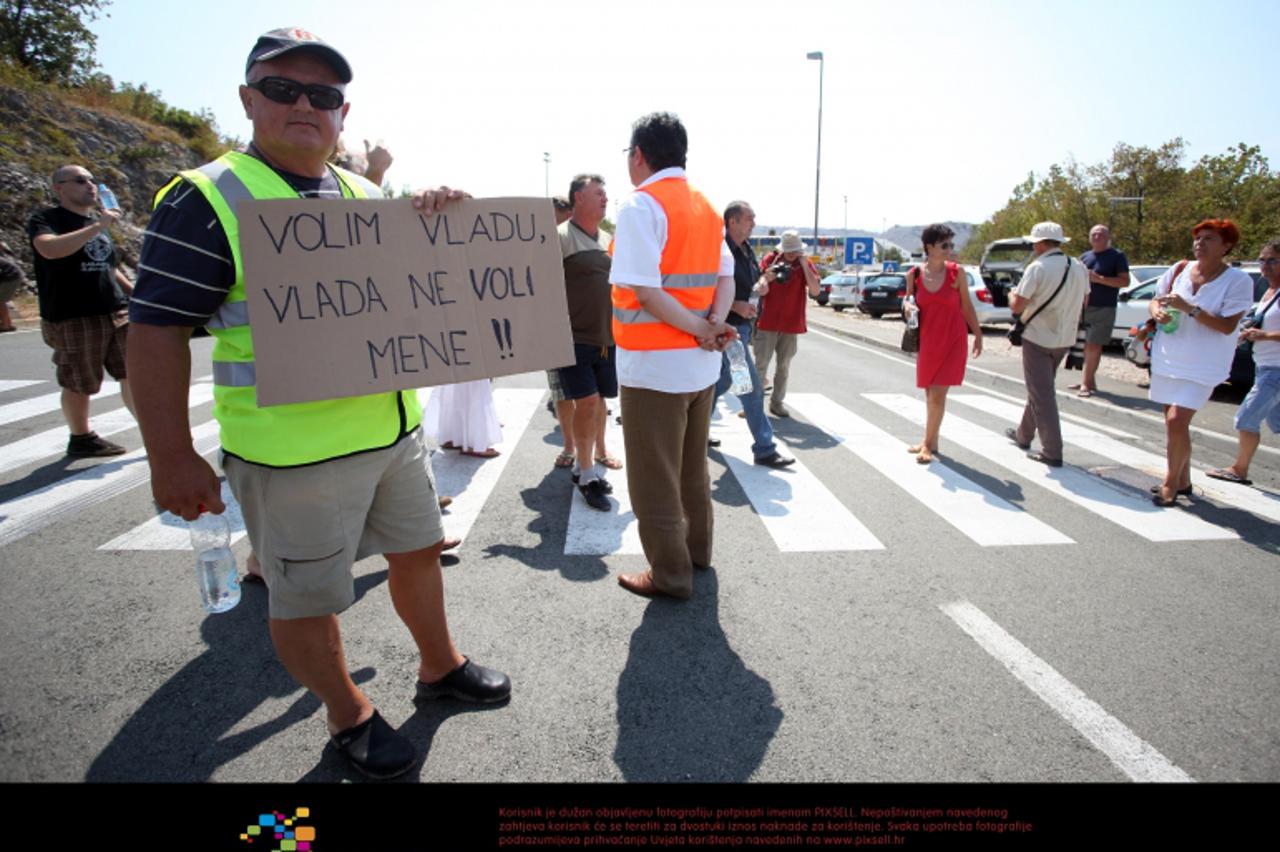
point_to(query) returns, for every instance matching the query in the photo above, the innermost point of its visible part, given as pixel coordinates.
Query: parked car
(843, 288)
(882, 293)
(1001, 267)
(1145, 272)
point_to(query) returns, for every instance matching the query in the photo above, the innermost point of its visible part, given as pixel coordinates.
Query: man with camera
(791, 278)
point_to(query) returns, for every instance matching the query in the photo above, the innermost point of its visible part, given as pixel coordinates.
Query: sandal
(1227, 475)
(611, 462)
(1076, 387)
(565, 459)
(1163, 503)
(925, 456)
(449, 445)
(1182, 492)
(486, 454)
(1085, 393)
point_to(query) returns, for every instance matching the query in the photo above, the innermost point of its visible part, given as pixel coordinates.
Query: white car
(988, 313)
(845, 291)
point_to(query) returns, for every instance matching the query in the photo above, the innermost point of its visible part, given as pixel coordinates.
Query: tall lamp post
(546, 173)
(817, 54)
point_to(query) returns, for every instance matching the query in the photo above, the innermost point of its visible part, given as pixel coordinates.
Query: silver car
(844, 290)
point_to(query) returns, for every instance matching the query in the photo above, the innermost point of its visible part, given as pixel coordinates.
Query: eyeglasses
(77, 179)
(1267, 261)
(282, 90)
(628, 150)
(946, 246)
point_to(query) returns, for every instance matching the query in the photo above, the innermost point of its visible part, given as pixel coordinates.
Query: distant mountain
(905, 236)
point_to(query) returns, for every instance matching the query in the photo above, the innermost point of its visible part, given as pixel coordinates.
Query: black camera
(780, 270)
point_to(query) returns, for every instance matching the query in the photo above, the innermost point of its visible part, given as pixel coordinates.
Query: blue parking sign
(891, 266)
(859, 251)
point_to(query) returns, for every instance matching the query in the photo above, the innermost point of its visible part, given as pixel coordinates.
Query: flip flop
(1085, 393)
(610, 462)
(1227, 475)
(1077, 386)
(487, 454)
(449, 445)
(564, 460)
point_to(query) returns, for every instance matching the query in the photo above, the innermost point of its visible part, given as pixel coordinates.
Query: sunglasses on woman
(282, 90)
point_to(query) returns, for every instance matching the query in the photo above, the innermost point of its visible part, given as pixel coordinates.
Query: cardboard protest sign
(354, 297)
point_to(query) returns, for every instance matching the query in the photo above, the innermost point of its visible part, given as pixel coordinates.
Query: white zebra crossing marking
(984, 517)
(594, 533)
(1122, 507)
(1251, 500)
(798, 510)
(46, 403)
(35, 511)
(53, 441)
(167, 531)
(1132, 755)
(469, 480)
(15, 384)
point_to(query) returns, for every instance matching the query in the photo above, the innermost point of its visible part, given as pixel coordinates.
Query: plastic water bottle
(1175, 316)
(913, 316)
(738, 370)
(217, 576)
(107, 198)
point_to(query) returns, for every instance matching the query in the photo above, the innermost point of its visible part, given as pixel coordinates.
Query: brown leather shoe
(450, 543)
(641, 584)
(445, 501)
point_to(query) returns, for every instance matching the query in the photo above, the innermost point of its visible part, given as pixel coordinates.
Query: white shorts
(1179, 392)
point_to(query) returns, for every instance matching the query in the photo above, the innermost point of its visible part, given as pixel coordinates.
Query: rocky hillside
(41, 128)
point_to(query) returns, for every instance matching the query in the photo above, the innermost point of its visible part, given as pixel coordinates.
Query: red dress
(944, 334)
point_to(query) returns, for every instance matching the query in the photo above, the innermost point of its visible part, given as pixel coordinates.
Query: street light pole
(546, 173)
(817, 54)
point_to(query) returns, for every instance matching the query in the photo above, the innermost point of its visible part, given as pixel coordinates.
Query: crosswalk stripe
(1251, 500)
(798, 510)
(15, 384)
(981, 515)
(469, 480)
(167, 531)
(37, 405)
(24, 515)
(54, 441)
(1121, 507)
(594, 533)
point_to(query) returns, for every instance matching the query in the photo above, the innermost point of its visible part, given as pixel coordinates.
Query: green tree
(50, 38)
(890, 253)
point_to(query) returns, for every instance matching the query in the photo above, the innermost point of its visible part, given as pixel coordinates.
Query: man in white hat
(1049, 299)
(792, 277)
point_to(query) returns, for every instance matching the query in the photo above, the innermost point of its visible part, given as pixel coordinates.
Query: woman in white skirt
(1198, 306)
(462, 417)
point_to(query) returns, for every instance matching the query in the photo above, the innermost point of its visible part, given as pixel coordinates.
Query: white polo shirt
(638, 242)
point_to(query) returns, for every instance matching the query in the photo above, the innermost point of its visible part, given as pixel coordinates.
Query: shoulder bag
(911, 334)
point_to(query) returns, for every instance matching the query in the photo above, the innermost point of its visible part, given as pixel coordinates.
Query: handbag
(1015, 333)
(910, 334)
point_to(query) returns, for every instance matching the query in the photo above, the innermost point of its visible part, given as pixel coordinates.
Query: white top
(1266, 353)
(1054, 327)
(1195, 352)
(638, 242)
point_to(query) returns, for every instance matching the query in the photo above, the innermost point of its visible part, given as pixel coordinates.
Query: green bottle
(1175, 316)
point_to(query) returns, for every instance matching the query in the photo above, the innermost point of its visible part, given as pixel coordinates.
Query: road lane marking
(31, 512)
(469, 480)
(1252, 500)
(1135, 513)
(799, 512)
(46, 403)
(15, 384)
(167, 531)
(594, 533)
(53, 442)
(981, 515)
(1131, 755)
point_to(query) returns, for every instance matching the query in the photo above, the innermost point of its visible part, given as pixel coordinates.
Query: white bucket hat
(791, 242)
(1047, 231)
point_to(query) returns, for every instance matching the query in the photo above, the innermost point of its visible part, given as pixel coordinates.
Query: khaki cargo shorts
(310, 524)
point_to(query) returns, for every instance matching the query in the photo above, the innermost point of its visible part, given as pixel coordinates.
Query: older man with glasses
(83, 296)
(321, 484)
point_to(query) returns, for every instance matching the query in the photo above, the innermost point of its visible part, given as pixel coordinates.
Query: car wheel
(876, 314)
(837, 308)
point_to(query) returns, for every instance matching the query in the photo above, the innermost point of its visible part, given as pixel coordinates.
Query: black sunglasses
(282, 90)
(76, 179)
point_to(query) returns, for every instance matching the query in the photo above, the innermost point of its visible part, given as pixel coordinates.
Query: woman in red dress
(939, 290)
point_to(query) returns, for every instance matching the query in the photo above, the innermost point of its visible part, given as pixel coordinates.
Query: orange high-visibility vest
(690, 265)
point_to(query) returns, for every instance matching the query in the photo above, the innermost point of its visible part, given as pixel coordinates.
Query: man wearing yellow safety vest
(320, 484)
(672, 279)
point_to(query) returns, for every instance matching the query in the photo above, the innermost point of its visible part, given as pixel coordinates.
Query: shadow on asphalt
(800, 435)
(60, 469)
(180, 733)
(550, 523)
(688, 707)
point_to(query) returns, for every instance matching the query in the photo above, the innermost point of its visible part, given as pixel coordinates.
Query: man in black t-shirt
(1108, 275)
(83, 299)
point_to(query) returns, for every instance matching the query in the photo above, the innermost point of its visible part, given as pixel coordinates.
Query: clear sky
(931, 110)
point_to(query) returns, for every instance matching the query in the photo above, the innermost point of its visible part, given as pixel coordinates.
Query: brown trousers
(666, 439)
(1041, 413)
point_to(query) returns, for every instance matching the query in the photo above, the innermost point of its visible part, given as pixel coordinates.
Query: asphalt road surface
(867, 619)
